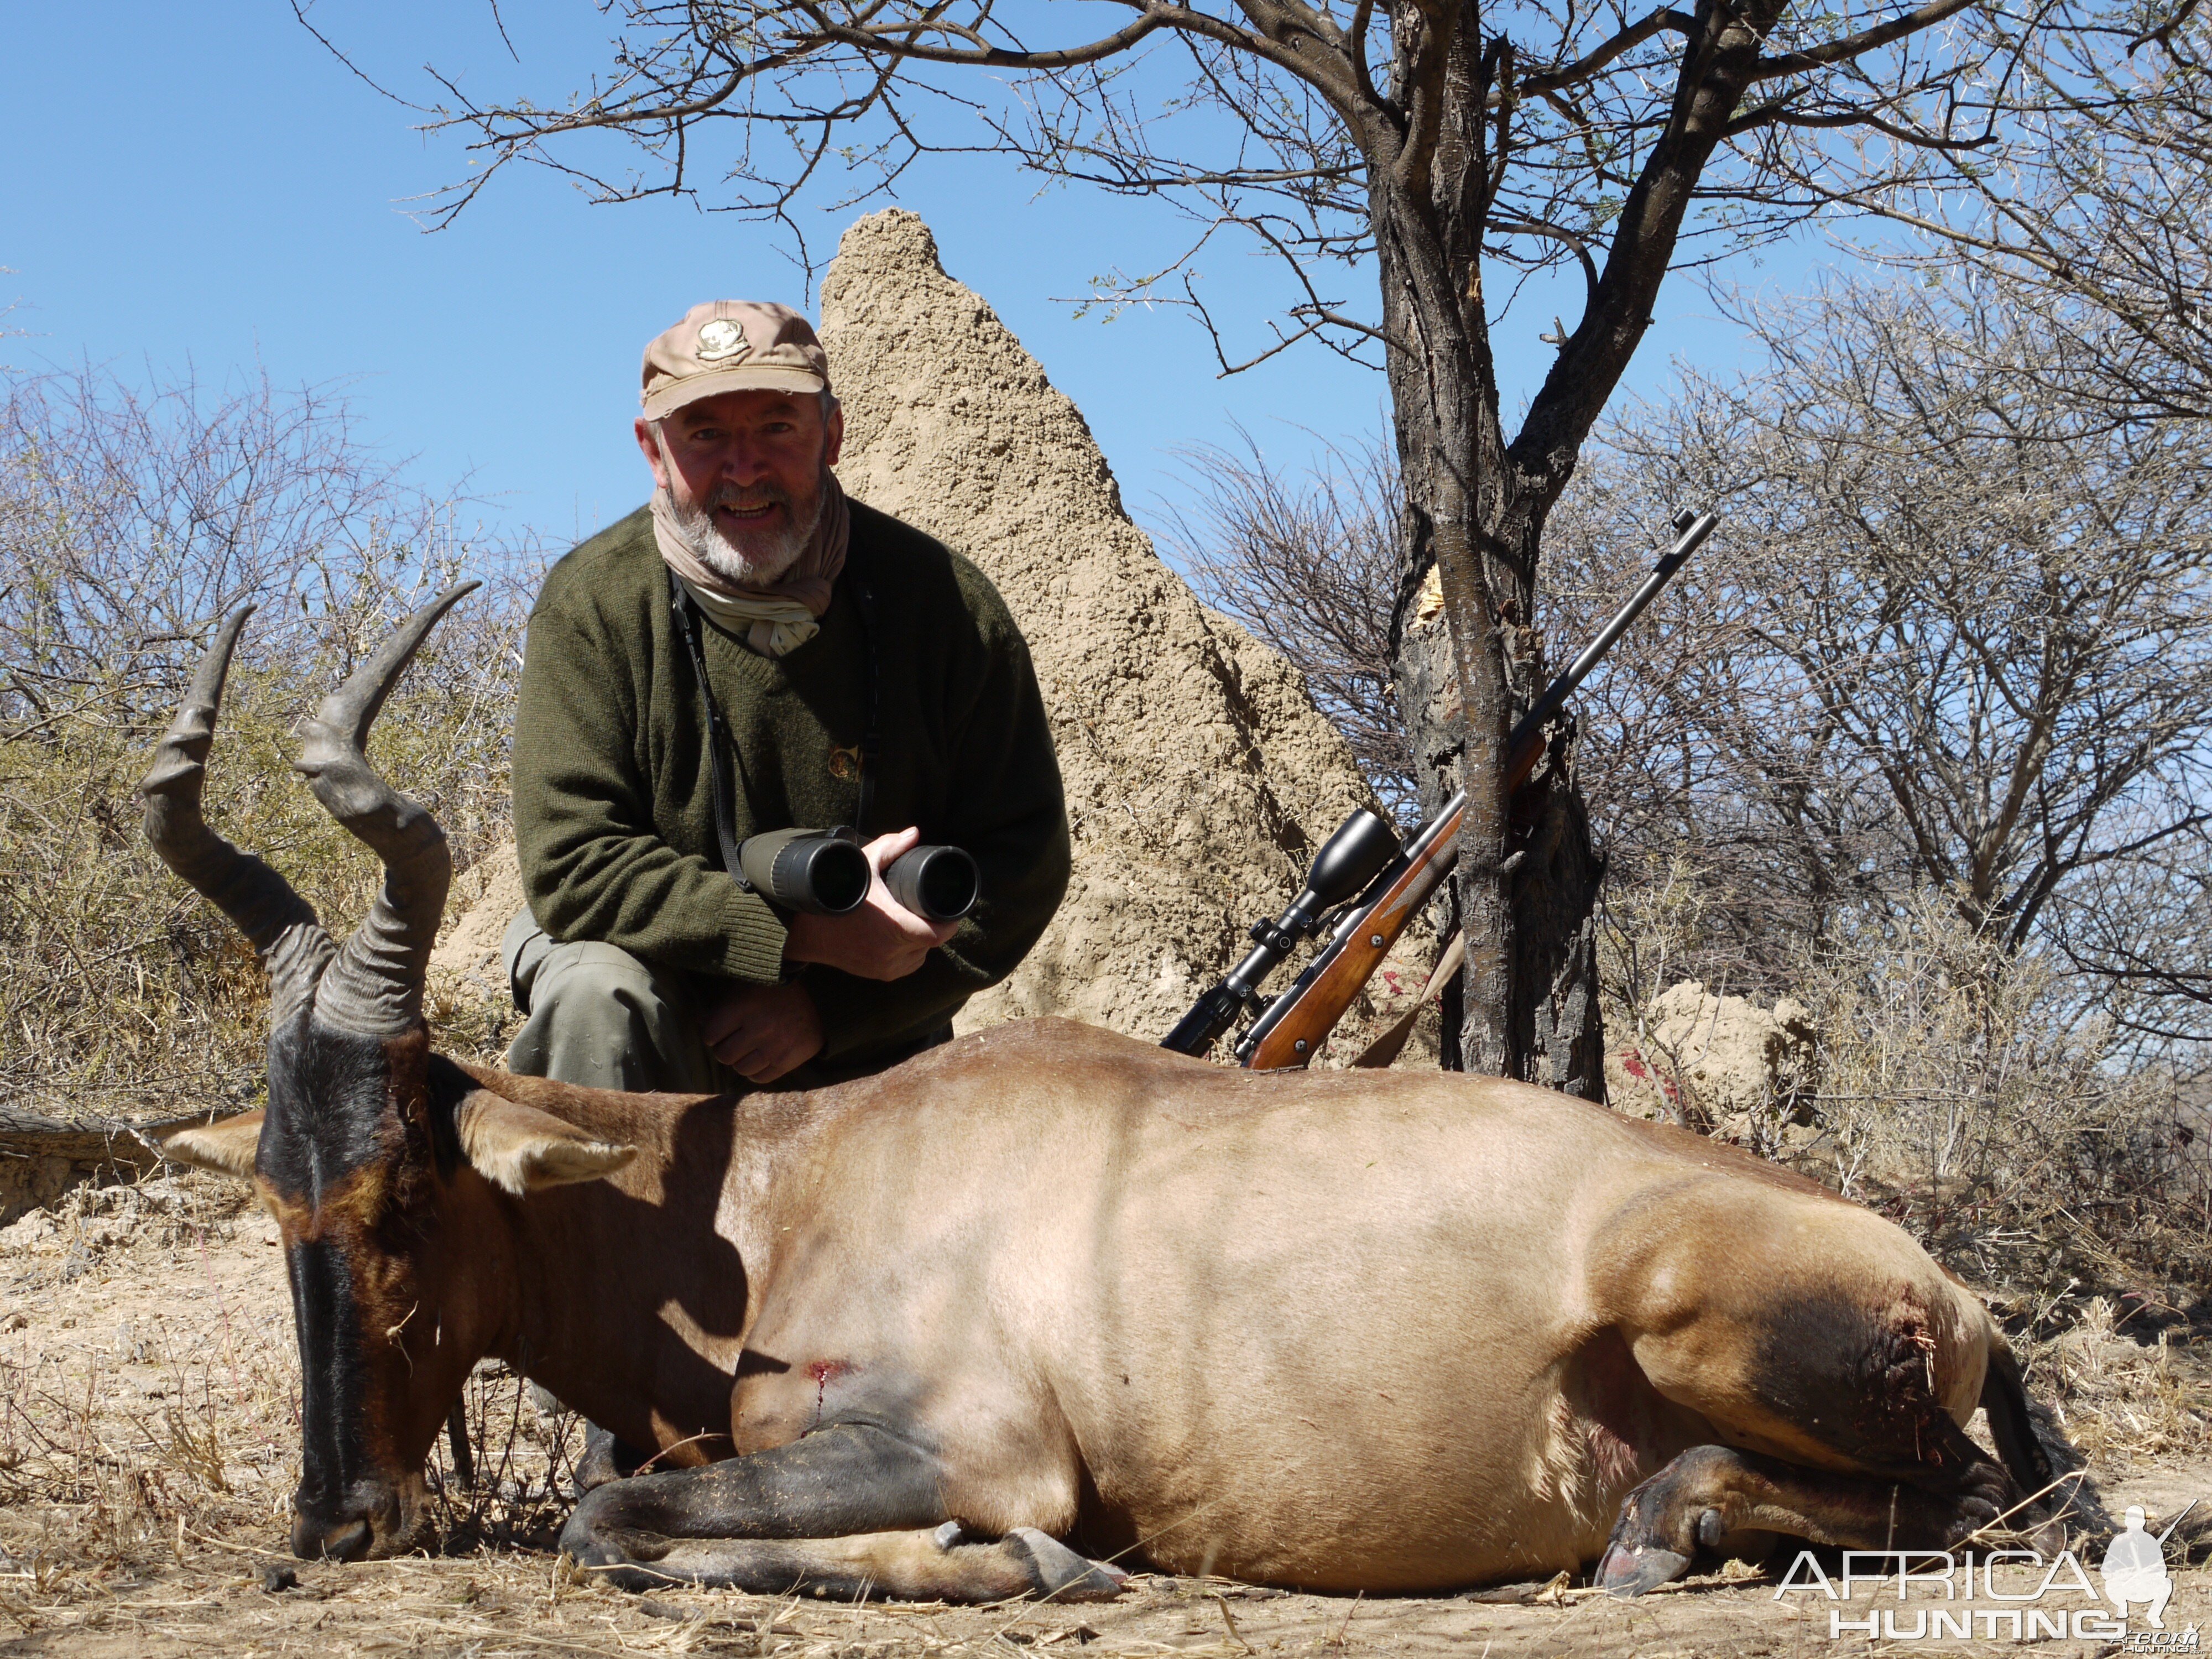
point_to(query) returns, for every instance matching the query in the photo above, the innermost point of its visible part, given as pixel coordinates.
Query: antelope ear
(520, 1149)
(226, 1147)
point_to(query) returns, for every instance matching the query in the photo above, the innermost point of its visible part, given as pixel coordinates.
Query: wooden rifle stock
(1299, 1021)
(1295, 1025)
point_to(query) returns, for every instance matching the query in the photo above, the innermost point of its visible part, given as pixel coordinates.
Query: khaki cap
(732, 345)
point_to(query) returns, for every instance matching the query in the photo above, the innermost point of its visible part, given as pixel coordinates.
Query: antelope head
(371, 1152)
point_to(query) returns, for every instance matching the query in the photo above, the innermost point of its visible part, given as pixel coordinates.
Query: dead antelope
(1344, 1331)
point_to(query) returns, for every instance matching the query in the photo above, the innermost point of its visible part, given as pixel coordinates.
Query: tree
(2142, 925)
(2098, 217)
(1952, 643)
(1944, 652)
(1454, 151)
(131, 519)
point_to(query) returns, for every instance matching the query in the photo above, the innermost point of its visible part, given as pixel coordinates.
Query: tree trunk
(1475, 505)
(1551, 1028)
(1559, 1030)
(1527, 877)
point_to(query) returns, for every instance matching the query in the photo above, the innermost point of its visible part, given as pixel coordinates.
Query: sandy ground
(148, 1388)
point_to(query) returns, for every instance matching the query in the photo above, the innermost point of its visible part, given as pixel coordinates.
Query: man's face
(746, 468)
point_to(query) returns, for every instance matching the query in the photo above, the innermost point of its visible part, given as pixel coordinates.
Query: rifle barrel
(1557, 693)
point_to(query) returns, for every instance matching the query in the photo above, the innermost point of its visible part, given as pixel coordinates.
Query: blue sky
(204, 187)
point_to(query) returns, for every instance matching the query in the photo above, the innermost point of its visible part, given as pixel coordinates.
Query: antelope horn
(375, 986)
(280, 925)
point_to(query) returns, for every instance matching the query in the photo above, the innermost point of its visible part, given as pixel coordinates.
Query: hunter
(860, 675)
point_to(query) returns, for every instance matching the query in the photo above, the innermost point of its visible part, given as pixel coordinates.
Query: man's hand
(762, 1031)
(882, 939)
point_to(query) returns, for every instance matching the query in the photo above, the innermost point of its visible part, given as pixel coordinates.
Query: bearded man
(753, 607)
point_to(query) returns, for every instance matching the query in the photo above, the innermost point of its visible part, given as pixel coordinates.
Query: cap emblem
(720, 339)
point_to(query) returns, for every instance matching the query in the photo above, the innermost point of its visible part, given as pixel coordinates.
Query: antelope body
(906, 1335)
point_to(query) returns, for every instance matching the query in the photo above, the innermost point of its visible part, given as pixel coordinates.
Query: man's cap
(732, 345)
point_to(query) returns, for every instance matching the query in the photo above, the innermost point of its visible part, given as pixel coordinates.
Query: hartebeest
(1342, 1331)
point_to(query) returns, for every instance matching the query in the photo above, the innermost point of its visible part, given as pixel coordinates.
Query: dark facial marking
(330, 1099)
(330, 1376)
(358, 1133)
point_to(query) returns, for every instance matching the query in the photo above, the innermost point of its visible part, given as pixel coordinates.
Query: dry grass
(171, 1399)
(2127, 1403)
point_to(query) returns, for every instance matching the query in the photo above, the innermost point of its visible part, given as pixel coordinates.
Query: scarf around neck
(774, 618)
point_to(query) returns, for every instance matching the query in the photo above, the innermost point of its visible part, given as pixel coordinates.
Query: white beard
(760, 566)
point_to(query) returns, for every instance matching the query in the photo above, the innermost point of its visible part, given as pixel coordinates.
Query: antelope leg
(848, 1511)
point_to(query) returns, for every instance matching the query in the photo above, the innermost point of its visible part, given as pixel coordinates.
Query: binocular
(825, 873)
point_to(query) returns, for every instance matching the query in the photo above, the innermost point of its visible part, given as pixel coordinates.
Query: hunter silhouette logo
(2135, 1567)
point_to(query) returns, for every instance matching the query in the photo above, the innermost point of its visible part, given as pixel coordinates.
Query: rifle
(1375, 887)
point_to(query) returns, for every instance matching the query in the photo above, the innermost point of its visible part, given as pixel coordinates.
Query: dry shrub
(128, 526)
(522, 1450)
(1652, 934)
(1967, 1091)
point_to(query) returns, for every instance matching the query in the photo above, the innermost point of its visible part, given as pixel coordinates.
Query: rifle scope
(1362, 845)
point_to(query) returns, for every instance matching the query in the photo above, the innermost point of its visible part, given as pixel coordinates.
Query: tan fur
(1353, 1330)
(520, 1149)
(225, 1148)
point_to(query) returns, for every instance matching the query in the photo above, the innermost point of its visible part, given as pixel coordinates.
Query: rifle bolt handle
(1300, 1045)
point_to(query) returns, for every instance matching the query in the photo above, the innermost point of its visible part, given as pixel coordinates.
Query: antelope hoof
(1061, 1574)
(605, 1459)
(605, 1563)
(1629, 1571)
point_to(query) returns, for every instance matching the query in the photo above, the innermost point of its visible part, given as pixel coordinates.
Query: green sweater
(614, 814)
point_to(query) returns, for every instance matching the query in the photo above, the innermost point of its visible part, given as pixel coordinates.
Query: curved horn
(375, 986)
(280, 925)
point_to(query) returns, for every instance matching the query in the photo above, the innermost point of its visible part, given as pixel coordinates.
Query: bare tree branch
(1857, 46)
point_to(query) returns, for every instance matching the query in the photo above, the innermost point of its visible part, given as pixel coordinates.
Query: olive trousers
(597, 1016)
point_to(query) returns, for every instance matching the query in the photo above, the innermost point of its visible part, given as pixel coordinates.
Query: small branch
(1283, 342)
(879, 41)
(1778, 114)
(1558, 232)
(1314, 306)
(352, 68)
(1356, 49)
(1658, 21)
(1854, 45)
(2164, 32)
